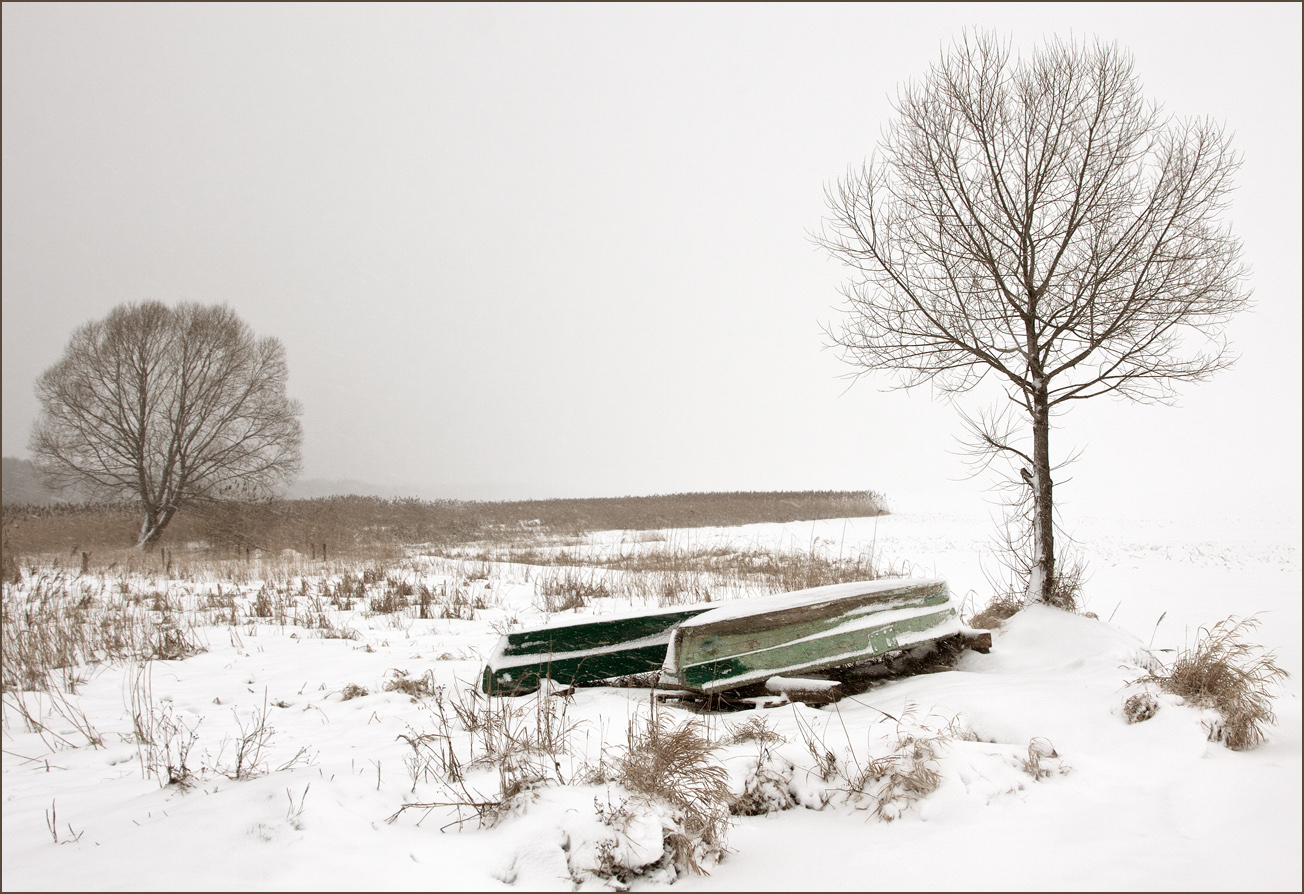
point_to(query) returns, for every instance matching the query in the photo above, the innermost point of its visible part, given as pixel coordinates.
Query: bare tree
(167, 406)
(1039, 223)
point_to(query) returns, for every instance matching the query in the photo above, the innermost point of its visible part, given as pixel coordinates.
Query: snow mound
(590, 837)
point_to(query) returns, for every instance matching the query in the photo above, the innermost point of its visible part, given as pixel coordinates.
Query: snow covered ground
(1041, 784)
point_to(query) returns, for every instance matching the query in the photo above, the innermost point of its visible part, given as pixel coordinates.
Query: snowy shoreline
(1144, 806)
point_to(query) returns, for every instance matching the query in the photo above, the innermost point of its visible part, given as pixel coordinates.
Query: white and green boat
(709, 649)
(583, 651)
(743, 643)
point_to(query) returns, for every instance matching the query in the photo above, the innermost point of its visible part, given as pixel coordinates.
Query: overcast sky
(537, 251)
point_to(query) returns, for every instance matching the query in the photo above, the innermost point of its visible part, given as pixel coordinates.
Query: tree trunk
(148, 530)
(155, 521)
(1042, 579)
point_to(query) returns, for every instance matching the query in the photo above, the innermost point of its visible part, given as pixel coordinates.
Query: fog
(535, 251)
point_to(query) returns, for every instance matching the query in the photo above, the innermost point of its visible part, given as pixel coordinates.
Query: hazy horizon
(303, 488)
(522, 252)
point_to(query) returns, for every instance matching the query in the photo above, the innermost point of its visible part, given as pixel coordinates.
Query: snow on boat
(714, 648)
(749, 641)
(584, 651)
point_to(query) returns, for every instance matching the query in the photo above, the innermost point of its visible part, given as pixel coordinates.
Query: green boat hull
(582, 652)
(740, 645)
(716, 648)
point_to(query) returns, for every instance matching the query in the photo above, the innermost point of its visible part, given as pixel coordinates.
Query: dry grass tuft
(567, 589)
(1042, 760)
(767, 787)
(908, 772)
(903, 776)
(1140, 707)
(999, 610)
(1234, 677)
(754, 729)
(1065, 593)
(1068, 581)
(676, 764)
(421, 687)
(57, 627)
(525, 743)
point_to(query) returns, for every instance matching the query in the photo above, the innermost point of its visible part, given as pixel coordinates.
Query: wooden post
(86, 562)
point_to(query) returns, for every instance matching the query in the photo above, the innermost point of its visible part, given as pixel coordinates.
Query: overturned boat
(708, 649)
(583, 651)
(747, 642)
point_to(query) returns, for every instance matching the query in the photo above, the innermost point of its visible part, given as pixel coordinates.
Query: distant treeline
(344, 524)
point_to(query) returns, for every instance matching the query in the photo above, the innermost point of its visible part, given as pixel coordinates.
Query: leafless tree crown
(168, 406)
(1038, 221)
(1041, 221)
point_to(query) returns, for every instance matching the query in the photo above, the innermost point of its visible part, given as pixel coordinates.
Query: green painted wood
(595, 633)
(805, 631)
(585, 651)
(739, 636)
(736, 649)
(524, 679)
(803, 655)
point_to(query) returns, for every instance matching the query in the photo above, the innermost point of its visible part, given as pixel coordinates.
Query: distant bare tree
(1037, 221)
(168, 406)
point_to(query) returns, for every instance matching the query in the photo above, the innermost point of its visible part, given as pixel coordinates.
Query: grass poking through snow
(1234, 677)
